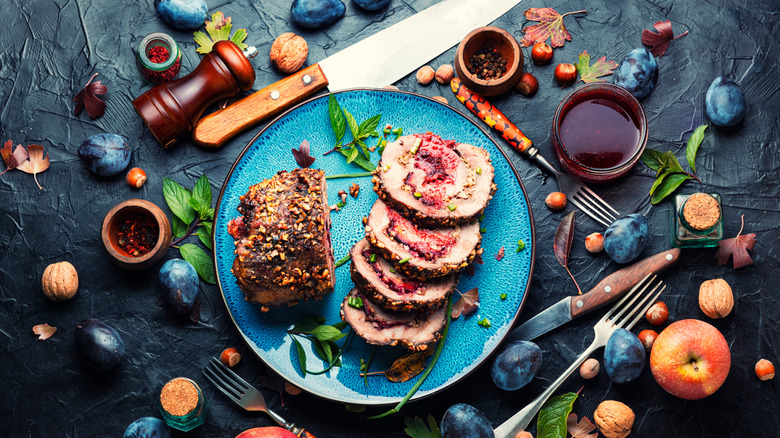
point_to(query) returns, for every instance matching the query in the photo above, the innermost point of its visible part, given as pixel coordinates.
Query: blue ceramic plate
(507, 219)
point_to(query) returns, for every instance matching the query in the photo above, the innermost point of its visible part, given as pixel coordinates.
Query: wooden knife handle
(619, 282)
(491, 115)
(216, 128)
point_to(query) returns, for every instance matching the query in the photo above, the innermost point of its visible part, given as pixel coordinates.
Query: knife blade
(376, 61)
(606, 291)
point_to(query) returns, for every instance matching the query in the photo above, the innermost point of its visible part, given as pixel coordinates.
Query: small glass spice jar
(183, 404)
(159, 58)
(696, 220)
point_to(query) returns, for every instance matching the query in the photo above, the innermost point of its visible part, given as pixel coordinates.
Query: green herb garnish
(520, 245)
(372, 258)
(484, 322)
(417, 143)
(392, 271)
(323, 338)
(341, 204)
(416, 427)
(479, 170)
(355, 150)
(402, 261)
(452, 207)
(669, 174)
(417, 195)
(349, 175)
(483, 230)
(342, 260)
(502, 296)
(355, 302)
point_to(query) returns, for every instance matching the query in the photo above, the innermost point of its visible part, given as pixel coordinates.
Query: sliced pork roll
(435, 182)
(421, 253)
(393, 290)
(412, 330)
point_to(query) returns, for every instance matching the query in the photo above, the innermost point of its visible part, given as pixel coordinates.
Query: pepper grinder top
(172, 109)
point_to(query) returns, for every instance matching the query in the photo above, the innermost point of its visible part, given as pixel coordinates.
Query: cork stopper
(701, 211)
(179, 397)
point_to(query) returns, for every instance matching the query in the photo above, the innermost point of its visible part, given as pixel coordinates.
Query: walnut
(715, 298)
(614, 419)
(289, 52)
(60, 281)
(425, 75)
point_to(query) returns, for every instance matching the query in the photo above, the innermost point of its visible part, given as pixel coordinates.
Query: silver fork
(245, 395)
(624, 314)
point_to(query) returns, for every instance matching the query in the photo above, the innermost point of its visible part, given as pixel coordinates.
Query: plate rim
(417, 396)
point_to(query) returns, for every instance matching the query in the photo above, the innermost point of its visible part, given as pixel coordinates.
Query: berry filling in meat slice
(425, 244)
(399, 285)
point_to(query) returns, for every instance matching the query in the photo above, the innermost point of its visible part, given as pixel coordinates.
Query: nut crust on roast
(441, 184)
(283, 250)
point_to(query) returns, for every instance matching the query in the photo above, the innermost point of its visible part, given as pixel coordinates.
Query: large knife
(608, 290)
(376, 61)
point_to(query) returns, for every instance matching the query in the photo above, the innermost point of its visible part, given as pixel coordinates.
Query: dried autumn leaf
(467, 303)
(36, 163)
(44, 331)
(302, 155)
(406, 367)
(564, 236)
(88, 98)
(550, 26)
(659, 42)
(736, 247)
(591, 73)
(11, 157)
(584, 429)
(500, 254)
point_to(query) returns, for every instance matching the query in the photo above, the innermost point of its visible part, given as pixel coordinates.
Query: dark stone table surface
(50, 48)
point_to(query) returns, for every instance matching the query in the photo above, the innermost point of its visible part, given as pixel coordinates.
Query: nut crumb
(354, 189)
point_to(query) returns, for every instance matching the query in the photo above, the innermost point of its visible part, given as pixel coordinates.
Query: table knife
(606, 291)
(373, 62)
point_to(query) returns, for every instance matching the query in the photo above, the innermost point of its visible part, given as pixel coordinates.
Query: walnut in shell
(289, 52)
(60, 281)
(715, 298)
(614, 419)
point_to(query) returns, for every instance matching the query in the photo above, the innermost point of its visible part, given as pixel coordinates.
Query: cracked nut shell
(614, 419)
(289, 52)
(715, 298)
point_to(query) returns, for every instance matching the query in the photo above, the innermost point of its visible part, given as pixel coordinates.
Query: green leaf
(309, 323)
(592, 73)
(337, 121)
(693, 146)
(179, 228)
(323, 350)
(364, 149)
(205, 44)
(218, 30)
(352, 123)
(334, 349)
(368, 125)
(205, 237)
(653, 159)
(672, 163)
(352, 154)
(201, 195)
(552, 417)
(365, 164)
(178, 200)
(341, 325)
(301, 354)
(200, 261)
(668, 186)
(658, 181)
(327, 333)
(238, 39)
(416, 428)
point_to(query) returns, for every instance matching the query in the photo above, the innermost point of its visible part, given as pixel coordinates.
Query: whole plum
(315, 14)
(637, 73)
(147, 427)
(372, 5)
(624, 356)
(99, 345)
(516, 365)
(625, 239)
(724, 102)
(105, 154)
(465, 421)
(182, 14)
(179, 282)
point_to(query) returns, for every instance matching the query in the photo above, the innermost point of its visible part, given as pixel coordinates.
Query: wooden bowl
(119, 213)
(506, 45)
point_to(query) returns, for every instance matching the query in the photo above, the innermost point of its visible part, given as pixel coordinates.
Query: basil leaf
(669, 185)
(301, 354)
(353, 126)
(337, 121)
(552, 417)
(200, 261)
(352, 154)
(308, 323)
(364, 148)
(178, 200)
(672, 163)
(340, 325)
(323, 350)
(368, 125)
(327, 333)
(201, 194)
(205, 237)
(658, 181)
(179, 227)
(653, 159)
(334, 350)
(365, 164)
(693, 146)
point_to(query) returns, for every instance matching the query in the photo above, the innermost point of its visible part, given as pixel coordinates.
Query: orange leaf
(582, 429)
(467, 303)
(36, 163)
(44, 331)
(12, 157)
(550, 26)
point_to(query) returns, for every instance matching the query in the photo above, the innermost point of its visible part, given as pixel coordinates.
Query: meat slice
(435, 182)
(283, 249)
(413, 330)
(393, 290)
(418, 252)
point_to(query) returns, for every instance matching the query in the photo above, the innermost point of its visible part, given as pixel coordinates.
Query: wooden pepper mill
(172, 109)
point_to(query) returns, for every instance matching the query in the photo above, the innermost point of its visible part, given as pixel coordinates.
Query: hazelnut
(289, 52)
(527, 85)
(594, 242)
(541, 53)
(565, 74)
(715, 298)
(765, 370)
(647, 338)
(136, 177)
(614, 419)
(391, 87)
(590, 368)
(444, 74)
(60, 281)
(230, 357)
(556, 201)
(441, 99)
(524, 434)
(658, 313)
(425, 75)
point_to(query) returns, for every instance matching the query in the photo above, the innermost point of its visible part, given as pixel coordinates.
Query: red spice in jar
(158, 54)
(136, 233)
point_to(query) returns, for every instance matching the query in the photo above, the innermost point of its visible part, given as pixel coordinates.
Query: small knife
(608, 290)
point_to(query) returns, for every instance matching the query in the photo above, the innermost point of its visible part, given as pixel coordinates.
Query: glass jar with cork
(182, 404)
(696, 220)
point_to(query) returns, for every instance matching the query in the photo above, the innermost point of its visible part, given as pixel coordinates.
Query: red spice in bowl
(136, 233)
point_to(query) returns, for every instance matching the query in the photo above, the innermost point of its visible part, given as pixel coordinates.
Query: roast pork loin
(283, 250)
(435, 182)
(418, 252)
(393, 290)
(413, 330)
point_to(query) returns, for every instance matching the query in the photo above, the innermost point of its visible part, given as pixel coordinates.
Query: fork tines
(625, 309)
(225, 379)
(588, 201)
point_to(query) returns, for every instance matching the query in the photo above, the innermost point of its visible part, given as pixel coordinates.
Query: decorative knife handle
(491, 115)
(216, 128)
(619, 282)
